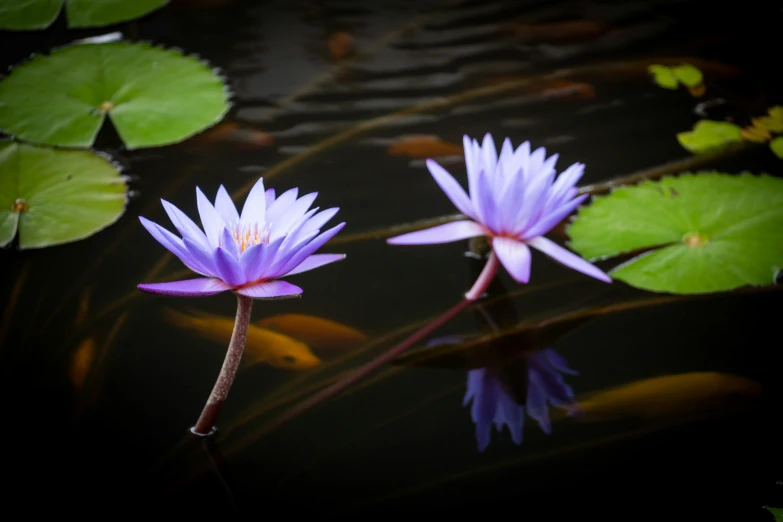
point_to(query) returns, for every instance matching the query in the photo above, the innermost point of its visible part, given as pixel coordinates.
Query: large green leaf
(709, 232)
(777, 146)
(153, 96)
(688, 75)
(39, 14)
(776, 512)
(56, 196)
(708, 135)
(18, 15)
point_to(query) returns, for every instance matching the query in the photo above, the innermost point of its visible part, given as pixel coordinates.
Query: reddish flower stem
(206, 422)
(478, 289)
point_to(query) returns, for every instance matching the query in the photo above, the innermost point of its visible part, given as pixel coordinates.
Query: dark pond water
(115, 440)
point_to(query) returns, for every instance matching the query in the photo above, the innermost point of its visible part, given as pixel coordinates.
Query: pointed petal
(537, 405)
(270, 290)
(304, 252)
(453, 190)
(485, 204)
(547, 222)
(254, 210)
(566, 180)
(315, 261)
(445, 233)
(270, 197)
(294, 237)
(283, 223)
(186, 288)
(489, 154)
(558, 362)
(470, 160)
(225, 207)
(280, 205)
(256, 260)
(228, 244)
(514, 416)
(210, 219)
(535, 163)
(227, 267)
(184, 225)
(204, 258)
(515, 257)
(174, 245)
(567, 258)
(319, 220)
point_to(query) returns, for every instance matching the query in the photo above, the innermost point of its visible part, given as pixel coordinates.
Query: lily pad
(708, 135)
(776, 512)
(777, 146)
(706, 232)
(663, 76)
(39, 14)
(153, 96)
(688, 75)
(56, 196)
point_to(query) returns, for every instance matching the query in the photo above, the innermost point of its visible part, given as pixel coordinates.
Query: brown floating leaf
(755, 134)
(340, 45)
(423, 146)
(317, 332)
(698, 91)
(560, 32)
(234, 134)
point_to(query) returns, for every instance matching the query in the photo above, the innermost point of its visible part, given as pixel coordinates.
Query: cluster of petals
(245, 253)
(515, 198)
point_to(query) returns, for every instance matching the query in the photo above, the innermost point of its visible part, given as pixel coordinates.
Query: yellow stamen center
(250, 235)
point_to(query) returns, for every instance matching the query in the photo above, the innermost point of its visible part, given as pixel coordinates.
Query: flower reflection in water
(494, 402)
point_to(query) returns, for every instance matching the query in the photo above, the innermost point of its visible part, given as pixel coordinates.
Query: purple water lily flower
(246, 253)
(514, 199)
(493, 404)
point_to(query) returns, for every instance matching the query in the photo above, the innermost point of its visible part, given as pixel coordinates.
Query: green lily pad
(776, 512)
(663, 76)
(688, 75)
(707, 232)
(777, 146)
(708, 135)
(56, 196)
(153, 96)
(39, 14)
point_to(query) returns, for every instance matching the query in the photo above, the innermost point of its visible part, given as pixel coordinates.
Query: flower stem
(478, 289)
(206, 422)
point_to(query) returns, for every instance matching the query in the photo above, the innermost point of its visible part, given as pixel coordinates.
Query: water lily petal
(315, 261)
(558, 362)
(445, 233)
(485, 204)
(489, 154)
(184, 225)
(270, 197)
(294, 236)
(225, 207)
(319, 220)
(228, 244)
(270, 290)
(202, 256)
(547, 222)
(305, 251)
(565, 181)
(210, 219)
(283, 224)
(453, 190)
(515, 257)
(280, 205)
(567, 258)
(173, 244)
(227, 267)
(514, 417)
(186, 288)
(254, 210)
(537, 403)
(256, 260)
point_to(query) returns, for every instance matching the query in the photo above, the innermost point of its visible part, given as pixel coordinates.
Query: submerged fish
(669, 396)
(314, 331)
(262, 345)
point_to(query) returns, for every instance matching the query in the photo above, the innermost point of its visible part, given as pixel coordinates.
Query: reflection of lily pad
(56, 196)
(715, 232)
(709, 135)
(153, 96)
(38, 14)
(688, 75)
(663, 76)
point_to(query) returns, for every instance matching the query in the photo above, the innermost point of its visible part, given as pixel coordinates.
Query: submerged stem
(476, 291)
(236, 347)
